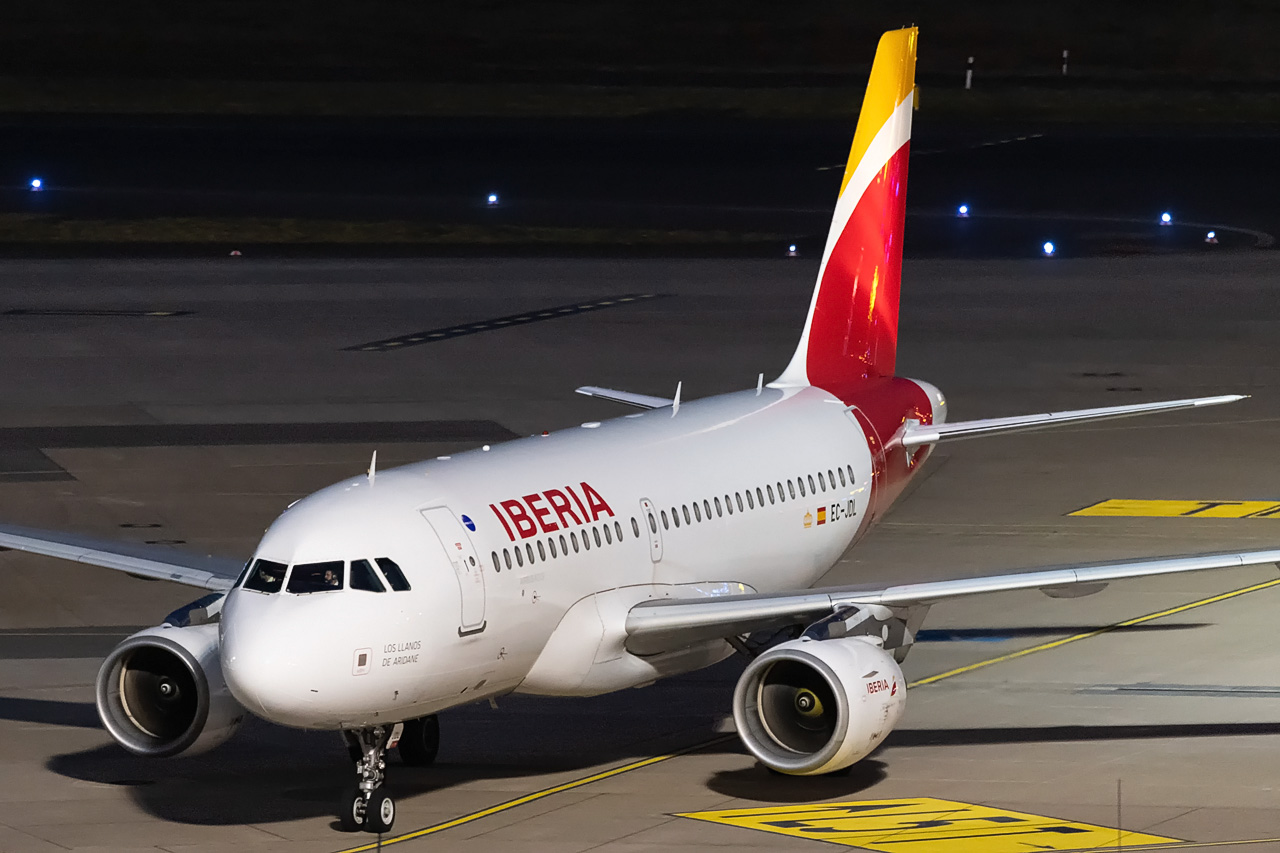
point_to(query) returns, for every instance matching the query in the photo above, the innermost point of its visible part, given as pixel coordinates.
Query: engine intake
(807, 707)
(161, 692)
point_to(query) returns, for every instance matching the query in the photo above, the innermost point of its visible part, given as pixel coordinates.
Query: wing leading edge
(149, 561)
(665, 625)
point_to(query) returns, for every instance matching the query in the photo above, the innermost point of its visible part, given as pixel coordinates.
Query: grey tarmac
(190, 401)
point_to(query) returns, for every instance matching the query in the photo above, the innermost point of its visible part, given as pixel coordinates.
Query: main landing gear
(366, 804)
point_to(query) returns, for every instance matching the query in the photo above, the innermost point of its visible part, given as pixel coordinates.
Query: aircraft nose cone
(267, 665)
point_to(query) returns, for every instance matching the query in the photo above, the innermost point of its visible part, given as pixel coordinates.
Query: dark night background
(656, 127)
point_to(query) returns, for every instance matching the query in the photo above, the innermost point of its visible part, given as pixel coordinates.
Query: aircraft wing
(668, 624)
(155, 562)
(922, 434)
(640, 401)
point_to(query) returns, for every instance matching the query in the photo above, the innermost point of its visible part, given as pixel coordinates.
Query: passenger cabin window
(822, 481)
(750, 503)
(542, 552)
(759, 496)
(831, 475)
(728, 504)
(266, 576)
(665, 526)
(769, 489)
(840, 471)
(595, 534)
(497, 566)
(506, 558)
(617, 529)
(519, 557)
(551, 543)
(791, 487)
(363, 577)
(316, 577)
(738, 497)
(564, 546)
(719, 508)
(573, 537)
(811, 488)
(851, 479)
(395, 578)
(697, 513)
(800, 480)
(635, 527)
(687, 519)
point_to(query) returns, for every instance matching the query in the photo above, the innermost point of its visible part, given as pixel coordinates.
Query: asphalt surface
(188, 402)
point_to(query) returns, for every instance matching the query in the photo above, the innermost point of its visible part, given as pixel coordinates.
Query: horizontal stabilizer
(639, 401)
(154, 562)
(917, 435)
(667, 624)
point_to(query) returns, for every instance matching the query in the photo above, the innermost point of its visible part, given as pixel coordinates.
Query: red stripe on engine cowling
(854, 331)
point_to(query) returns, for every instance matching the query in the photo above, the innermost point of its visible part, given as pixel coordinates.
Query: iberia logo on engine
(533, 513)
(880, 685)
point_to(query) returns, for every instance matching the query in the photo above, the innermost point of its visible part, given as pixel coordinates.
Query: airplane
(605, 556)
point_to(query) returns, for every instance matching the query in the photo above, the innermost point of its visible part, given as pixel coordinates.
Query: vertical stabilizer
(851, 333)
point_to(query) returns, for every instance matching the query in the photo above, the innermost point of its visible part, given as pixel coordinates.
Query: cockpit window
(394, 576)
(363, 577)
(265, 576)
(316, 577)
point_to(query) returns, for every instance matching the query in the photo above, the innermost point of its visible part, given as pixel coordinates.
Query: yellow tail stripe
(893, 77)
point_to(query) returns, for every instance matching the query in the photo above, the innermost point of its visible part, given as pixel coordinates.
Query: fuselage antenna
(675, 404)
(759, 384)
(373, 467)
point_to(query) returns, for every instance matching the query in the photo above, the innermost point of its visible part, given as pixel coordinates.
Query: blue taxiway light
(1166, 218)
(1049, 249)
(963, 210)
(493, 198)
(36, 185)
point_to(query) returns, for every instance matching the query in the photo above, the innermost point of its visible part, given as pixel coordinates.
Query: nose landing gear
(365, 805)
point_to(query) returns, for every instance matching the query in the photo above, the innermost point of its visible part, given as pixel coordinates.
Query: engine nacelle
(161, 692)
(807, 706)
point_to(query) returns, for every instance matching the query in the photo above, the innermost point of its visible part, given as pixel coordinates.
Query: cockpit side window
(392, 573)
(363, 577)
(316, 577)
(266, 576)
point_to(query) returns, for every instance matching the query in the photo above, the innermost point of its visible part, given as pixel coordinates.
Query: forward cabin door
(466, 566)
(650, 524)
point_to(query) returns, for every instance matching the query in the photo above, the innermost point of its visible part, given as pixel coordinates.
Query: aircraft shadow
(1065, 734)
(82, 715)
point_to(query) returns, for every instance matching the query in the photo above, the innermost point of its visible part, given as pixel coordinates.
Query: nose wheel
(366, 805)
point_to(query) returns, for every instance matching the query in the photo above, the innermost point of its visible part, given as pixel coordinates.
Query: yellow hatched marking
(928, 825)
(1118, 507)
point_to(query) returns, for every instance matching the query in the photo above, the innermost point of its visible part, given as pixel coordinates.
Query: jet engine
(161, 692)
(809, 706)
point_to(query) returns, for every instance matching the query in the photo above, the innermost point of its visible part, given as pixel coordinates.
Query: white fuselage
(785, 474)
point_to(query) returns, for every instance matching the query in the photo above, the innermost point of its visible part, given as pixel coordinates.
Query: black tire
(381, 814)
(352, 810)
(420, 741)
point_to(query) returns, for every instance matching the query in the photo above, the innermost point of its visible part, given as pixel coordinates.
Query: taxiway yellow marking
(1181, 509)
(536, 795)
(932, 679)
(1074, 638)
(929, 825)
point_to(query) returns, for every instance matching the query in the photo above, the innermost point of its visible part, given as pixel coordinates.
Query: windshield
(265, 576)
(394, 576)
(316, 577)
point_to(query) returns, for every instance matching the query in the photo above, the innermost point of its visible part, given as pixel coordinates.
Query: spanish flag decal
(822, 515)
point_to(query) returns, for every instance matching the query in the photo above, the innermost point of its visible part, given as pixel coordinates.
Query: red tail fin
(851, 333)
